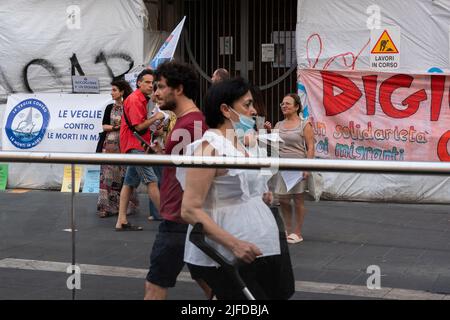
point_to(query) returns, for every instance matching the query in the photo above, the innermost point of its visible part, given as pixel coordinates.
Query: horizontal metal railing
(426, 168)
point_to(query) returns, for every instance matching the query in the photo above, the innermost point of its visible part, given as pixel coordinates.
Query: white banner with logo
(53, 122)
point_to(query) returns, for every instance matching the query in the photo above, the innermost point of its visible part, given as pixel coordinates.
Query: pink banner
(379, 116)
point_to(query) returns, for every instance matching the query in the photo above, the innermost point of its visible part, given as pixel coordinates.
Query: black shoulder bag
(138, 134)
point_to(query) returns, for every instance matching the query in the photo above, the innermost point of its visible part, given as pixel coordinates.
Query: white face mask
(244, 125)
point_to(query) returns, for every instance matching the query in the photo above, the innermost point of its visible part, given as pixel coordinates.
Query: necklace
(186, 112)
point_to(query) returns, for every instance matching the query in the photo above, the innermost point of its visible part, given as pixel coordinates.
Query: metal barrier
(421, 168)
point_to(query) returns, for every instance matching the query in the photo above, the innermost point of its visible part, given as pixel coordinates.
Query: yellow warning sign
(385, 45)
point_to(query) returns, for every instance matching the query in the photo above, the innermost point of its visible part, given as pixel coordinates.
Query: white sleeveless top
(235, 203)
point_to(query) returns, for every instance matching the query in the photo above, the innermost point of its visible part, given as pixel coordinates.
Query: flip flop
(129, 227)
(293, 238)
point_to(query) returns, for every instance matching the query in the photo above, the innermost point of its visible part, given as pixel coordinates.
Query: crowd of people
(233, 205)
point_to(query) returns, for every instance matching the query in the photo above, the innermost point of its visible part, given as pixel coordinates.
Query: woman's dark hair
(297, 101)
(258, 101)
(225, 92)
(124, 86)
(177, 74)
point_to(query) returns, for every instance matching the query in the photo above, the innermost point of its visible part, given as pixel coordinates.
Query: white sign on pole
(385, 48)
(82, 84)
(53, 122)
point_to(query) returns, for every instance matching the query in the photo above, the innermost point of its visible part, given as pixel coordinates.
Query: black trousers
(267, 278)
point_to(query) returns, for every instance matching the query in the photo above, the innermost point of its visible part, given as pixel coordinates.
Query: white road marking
(300, 286)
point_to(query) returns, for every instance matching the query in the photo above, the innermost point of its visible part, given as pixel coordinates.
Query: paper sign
(291, 178)
(92, 180)
(273, 137)
(3, 176)
(67, 180)
(268, 52)
(226, 46)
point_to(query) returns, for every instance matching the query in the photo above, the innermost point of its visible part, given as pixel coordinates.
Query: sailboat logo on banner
(385, 45)
(27, 123)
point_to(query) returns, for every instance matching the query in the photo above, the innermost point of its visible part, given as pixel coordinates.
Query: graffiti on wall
(123, 61)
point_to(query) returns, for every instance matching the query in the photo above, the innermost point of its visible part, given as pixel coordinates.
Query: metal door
(251, 38)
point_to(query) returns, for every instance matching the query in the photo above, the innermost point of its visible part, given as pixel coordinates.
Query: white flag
(167, 50)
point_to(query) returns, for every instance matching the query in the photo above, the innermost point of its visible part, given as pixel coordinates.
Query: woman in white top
(229, 203)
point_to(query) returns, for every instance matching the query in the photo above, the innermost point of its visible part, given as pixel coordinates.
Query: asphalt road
(409, 243)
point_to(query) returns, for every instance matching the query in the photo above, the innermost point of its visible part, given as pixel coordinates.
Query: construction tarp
(374, 75)
(43, 43)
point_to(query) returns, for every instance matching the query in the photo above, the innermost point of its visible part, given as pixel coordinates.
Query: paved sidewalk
(409, 243)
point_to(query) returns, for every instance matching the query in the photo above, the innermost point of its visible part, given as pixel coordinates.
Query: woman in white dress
(230, 205)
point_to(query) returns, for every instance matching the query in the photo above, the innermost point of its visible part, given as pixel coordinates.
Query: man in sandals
(177, 89)
(135, 115)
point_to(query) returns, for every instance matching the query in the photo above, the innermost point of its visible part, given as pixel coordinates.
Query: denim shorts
(167, 256)
(137, 174)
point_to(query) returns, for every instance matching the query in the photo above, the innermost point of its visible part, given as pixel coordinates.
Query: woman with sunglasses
(298, 142)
